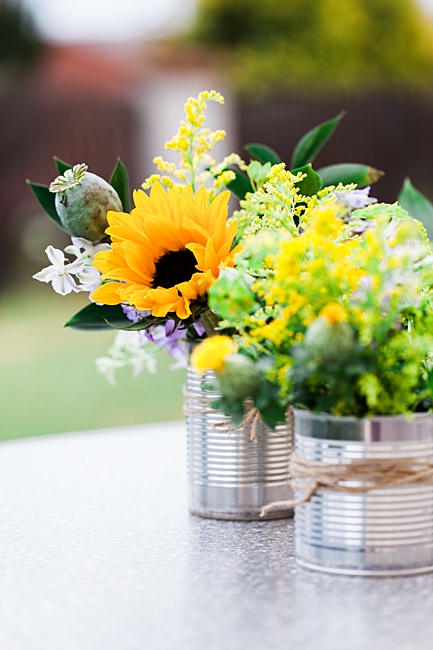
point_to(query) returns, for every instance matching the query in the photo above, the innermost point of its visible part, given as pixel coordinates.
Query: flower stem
(209, 320)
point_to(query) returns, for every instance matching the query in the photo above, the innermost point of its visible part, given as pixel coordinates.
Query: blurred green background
(48, 379)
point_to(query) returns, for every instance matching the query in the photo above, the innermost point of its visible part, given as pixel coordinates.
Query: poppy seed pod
(239, 379)
(82, 202)
(333, 343)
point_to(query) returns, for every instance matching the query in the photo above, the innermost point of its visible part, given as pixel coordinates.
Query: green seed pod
(82, 202)
(333, 343)
(240, 378)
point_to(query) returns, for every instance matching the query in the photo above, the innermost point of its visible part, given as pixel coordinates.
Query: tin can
(382, 532)
(231, 475)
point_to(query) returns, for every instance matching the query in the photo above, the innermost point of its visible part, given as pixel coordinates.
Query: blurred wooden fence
(391, 133)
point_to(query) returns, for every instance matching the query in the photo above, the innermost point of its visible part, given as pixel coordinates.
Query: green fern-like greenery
(319, 44)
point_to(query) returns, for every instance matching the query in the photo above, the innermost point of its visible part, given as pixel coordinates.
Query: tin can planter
(382, 532)
(233, 473)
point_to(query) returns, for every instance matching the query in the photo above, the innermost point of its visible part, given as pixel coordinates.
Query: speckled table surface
(98, 552)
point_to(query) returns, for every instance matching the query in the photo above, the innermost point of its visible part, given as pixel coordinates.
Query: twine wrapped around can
(233, 471)
(310, 477)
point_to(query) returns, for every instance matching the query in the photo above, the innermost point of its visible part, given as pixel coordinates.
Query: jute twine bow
(376, 473)
(251, 417)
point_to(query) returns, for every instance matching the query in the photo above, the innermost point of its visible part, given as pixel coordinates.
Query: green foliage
(98, 317)
(327, 44)
(46, 199)
(417, 205)
(241, 185)
(263, 153)
(61, 165)
(347, 173)
(312, 142)
(311, 183)
(120, 181)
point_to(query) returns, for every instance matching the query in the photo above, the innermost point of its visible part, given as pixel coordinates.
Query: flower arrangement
(337, 310)
(159, 272)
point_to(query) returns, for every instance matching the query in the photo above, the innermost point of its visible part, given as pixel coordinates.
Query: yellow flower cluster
(318, 272)
(193, 142)
(273, 206)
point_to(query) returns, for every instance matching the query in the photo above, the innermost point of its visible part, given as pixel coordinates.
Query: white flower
(355, 199)
(107, 366)
(60, 273)
(83, 248)
(128, 349)
(90, 278)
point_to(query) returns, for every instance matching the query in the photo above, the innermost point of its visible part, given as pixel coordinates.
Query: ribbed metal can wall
(382, 532)
(230, 475)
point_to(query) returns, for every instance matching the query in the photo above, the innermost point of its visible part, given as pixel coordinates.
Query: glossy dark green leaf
(417, 205)
(240, 186)
(311, 184)
(120, 181)
(99, 317)
(347, 173)
(262, 153)
(61, 165)
(47, 201)
(310, 144)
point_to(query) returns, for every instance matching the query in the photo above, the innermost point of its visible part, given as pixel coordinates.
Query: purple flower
(134, 314)
(169, 336)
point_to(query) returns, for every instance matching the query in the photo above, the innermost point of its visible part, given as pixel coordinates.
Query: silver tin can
(383, 532)
(230, 475)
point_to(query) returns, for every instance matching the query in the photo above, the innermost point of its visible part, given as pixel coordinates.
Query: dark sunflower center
(174, 267)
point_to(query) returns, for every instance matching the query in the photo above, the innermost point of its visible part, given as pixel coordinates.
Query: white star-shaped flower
(60, 272)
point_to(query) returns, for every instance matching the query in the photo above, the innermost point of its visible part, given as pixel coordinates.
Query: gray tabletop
(98, 552)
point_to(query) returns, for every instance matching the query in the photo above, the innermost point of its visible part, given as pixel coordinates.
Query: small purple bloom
(168, 336)
(199, 329)
(134, 314)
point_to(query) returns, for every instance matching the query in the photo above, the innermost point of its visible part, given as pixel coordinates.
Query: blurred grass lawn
(48, 378)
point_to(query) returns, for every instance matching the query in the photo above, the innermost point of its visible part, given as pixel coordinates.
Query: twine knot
(251, 417)
(374, 473)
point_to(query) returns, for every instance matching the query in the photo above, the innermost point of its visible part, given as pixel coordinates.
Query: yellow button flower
(211, 353)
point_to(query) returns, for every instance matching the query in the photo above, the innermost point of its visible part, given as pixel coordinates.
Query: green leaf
(274, 414)
(99, 317)
(417, 205)
(311, 184)
(347, 173)
(61, 165)
(310, 144)
(120, 181)
(262, 153)
(142, 324)
(233, 410)
(47, 201)
(240, 186)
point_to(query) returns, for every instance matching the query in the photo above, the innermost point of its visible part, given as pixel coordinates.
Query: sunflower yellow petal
(108, 294)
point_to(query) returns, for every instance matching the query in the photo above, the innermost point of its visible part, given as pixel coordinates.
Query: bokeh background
(90, 80)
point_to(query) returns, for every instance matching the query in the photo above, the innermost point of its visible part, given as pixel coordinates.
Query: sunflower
(167, 252)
